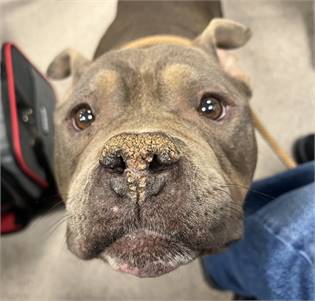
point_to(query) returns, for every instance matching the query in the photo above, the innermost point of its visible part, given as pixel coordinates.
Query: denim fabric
(275, 260)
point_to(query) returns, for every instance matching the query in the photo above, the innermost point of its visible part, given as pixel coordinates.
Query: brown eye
(212, 107)
(83, 117)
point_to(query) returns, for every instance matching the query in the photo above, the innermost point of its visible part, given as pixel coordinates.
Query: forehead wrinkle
(129, 72)
(178, 75)
(104, 79)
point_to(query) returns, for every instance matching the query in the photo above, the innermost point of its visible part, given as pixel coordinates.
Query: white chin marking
(129, 255)
(149, 271)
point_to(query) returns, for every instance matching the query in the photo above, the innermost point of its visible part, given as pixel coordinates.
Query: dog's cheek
(88, 237)
(211, 215)
(213, 230)
(96, 217)
(78, 244)
(208, 213)
(84, 226)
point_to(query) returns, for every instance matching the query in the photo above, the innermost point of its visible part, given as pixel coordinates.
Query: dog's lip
(146, 253)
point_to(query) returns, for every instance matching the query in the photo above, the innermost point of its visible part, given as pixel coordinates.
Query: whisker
(226, 192)
(271, 197)
(63, 244)
(42, 215)
(268, 196)
(53, 227)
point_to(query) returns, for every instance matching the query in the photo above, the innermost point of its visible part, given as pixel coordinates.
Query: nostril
(154, 164)
(114, 163)
(120, 165)
(157, 164)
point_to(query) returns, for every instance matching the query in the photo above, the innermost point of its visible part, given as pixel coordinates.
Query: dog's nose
(149, 152)
(157, 162)
(141, 162)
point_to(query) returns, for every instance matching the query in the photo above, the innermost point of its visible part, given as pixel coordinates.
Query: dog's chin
(146, 253)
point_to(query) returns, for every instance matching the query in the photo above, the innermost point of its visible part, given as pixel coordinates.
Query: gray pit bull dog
(154, 146)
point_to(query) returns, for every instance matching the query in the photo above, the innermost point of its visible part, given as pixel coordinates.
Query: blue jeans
(275, 259)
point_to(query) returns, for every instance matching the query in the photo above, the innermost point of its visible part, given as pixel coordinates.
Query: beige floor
(35, 263)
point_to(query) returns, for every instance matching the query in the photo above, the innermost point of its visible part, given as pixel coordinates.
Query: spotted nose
(139, 152)
(139, 164)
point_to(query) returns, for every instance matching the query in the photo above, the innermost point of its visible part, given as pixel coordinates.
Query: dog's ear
(68, 62)
(220, 36)
(224, 34)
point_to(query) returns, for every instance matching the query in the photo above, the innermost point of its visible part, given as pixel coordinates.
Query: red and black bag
(26, 136)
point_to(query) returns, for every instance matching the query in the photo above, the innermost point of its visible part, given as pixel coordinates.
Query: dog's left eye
(82, 117)
(212, 107)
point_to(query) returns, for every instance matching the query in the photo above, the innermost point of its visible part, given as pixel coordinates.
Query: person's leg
(275, 260)
(266, 190)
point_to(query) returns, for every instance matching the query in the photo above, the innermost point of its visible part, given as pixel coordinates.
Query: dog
(154, 144)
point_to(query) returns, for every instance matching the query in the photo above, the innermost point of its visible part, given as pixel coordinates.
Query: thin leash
(149, 41)
(286, 159)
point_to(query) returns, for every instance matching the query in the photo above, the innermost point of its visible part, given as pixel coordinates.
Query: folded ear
(225, 34)
(220, 36)
(68, 62)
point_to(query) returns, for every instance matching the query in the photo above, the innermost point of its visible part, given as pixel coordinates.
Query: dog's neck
(144, 18)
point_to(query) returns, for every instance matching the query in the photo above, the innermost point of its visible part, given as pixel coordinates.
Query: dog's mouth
(145, 253)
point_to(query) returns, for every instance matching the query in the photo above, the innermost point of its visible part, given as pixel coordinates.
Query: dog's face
(154, 151)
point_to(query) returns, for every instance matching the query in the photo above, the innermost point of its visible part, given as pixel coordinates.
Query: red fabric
(8, 223)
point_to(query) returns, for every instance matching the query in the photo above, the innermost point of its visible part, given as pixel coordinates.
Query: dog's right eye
(82, 117)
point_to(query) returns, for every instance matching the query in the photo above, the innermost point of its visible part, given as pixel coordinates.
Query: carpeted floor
(35, 263)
